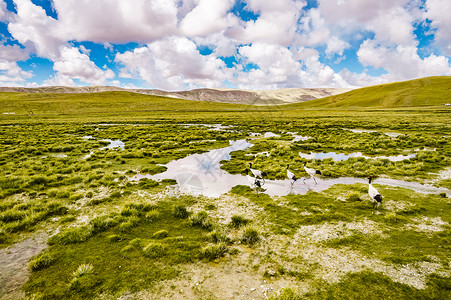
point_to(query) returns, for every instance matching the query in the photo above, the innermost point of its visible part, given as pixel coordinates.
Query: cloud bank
(255, 44)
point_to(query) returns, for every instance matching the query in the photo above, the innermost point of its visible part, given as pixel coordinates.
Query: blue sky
(252, 44)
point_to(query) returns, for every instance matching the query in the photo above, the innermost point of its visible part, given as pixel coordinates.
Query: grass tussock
(214, 251)
(249, 235)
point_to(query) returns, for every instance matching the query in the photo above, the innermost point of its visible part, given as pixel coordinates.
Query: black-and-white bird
(257, 173)
(376, 198)
(255, 183)
(311, 172)
(291, 176)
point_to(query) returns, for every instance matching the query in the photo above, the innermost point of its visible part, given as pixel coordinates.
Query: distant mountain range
(428, 91)
(258, 97)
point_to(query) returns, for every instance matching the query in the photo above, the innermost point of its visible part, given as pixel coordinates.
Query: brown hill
(258, 97)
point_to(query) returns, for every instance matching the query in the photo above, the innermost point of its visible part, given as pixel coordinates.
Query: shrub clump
(113, 238)
(200, 219)
(218, 236)
(238, 221)
(161, 234)
(152, 216)
(71, 236)
(249, 235)
(214, 251)
(154, 250)
(353, 196)
(136, 243)
(179, 211)
(83, 278)
(83, 269)
(42, 261)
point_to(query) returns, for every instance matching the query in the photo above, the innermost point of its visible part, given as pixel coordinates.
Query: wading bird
(311, 172)
(291, 176)
(255, 183)
(376, 198)
(257, 173)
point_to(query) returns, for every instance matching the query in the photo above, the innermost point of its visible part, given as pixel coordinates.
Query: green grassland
(430, 91)
(111, 236)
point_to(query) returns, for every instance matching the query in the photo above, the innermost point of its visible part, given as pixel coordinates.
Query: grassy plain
(112, 237)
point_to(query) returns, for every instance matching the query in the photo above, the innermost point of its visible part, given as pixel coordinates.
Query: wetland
(150, 205)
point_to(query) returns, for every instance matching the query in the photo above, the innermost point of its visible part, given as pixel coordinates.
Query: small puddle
(342, 156)
(201, 173)
(113, 144)
(297, 138)
(390, 134)
(270, 134)
(217, 127)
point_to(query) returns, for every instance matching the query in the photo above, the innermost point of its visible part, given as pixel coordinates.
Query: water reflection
(200, 174)
(390, 134)
(341, 156)
(113, 144)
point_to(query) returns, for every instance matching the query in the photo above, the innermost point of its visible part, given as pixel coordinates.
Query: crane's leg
(315, 180)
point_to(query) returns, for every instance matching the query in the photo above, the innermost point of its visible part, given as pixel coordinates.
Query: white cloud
(76, 65)
(208, 17)
(59, 80)
(438, 11)
(279, 68)
(286, 42)
(173, 64)
(401, 62)
(10, 72)
(390, 20)
(13, 53)
(335, 45)
(34, 29)
(117, 21)
(315, 31)
(5, 15)
(276, 66)
(221, 45)
(276, 23)
(354, 80)
(393, 26)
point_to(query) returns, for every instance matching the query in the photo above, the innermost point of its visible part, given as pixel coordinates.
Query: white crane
(291, 176)
(257, 173)
(311, 172)
(376, 198)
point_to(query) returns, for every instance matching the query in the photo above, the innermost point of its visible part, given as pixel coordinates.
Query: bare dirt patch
(328, 231)
(14, 265)
(426, 224)
(335, 263)
(222, 280)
